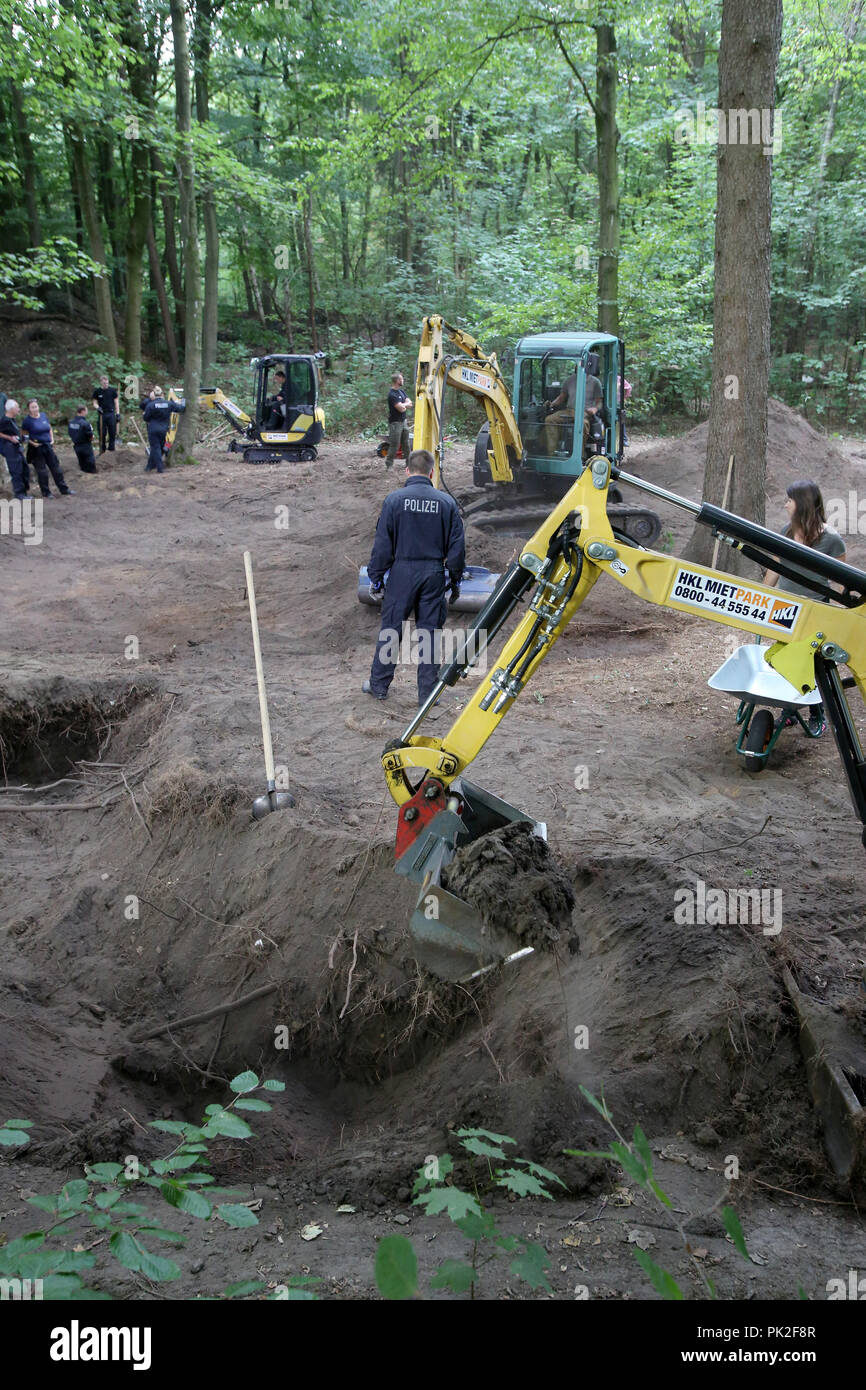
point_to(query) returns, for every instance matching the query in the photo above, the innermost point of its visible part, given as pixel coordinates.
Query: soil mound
(794, 450)
(512, 880)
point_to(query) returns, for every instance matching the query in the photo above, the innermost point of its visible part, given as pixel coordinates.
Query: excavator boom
(468, 368)
(556, 571)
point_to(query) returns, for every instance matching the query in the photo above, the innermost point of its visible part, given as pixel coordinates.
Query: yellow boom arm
(568, 554)
(469, 368)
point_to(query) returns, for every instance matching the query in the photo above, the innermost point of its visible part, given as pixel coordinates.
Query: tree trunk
(797, 335)
(312, 279)
(108, 203)
(748, 52)
(27, 161)
(90, 216)
(204, 13)
(140, 77)
(607, 138)
(188, 425)
(251, 279)
(158, 283)
(288, 319)
(171, 262)
(344, 238)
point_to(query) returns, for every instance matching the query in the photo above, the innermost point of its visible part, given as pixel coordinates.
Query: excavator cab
(565, 386)
(569, 402)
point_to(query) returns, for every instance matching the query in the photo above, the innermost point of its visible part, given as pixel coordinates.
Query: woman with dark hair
(40, 451)
(808, 524)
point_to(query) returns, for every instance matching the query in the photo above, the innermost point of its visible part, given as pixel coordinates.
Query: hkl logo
(783, 614)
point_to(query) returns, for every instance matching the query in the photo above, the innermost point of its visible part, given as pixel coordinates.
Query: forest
(199, 181)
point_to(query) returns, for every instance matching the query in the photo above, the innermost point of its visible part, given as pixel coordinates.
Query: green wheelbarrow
(747, 677)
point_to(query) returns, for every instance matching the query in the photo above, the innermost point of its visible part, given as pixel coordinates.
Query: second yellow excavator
(287, 422)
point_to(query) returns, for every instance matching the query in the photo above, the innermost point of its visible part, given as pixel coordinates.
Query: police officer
(40, 451)
(157, 415)
(81, 434)
(105, 400)
(10, 448)
(419, 536)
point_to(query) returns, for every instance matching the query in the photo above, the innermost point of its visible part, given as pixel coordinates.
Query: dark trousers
(156, 441)
(86, 461)
(107, 431)
(45, 462)
(20, 474)
(414, 590)
(398, 438)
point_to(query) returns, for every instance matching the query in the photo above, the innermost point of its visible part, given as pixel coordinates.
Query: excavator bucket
(449, 936)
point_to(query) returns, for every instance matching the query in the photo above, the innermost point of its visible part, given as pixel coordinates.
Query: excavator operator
(561, 410)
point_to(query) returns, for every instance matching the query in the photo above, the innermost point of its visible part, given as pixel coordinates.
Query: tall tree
(201, 44)
(606, 140)
(140, 79)
(186, 434)
(748, 54)
(90, 215)
(24, 150)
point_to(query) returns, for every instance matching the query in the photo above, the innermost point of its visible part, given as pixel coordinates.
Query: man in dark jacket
(419, 536)
(81, 434)
(157, 415)
(106, 402)
(399, 405)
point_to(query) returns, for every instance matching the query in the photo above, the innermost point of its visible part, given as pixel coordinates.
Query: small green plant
(667, 542)
(435, 1191)
(636, 1160)
(13, 1133)
(101, 1200)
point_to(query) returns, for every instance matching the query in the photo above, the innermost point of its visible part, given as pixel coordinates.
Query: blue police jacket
(418, 524)
(158, 413)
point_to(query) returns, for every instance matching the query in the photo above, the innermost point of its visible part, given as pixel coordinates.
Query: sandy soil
(128, 665)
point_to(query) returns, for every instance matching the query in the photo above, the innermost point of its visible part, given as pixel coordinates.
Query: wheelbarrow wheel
(757, 742)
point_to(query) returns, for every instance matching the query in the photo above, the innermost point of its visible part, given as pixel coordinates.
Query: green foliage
(98, 1200)
(57, 261)
(396, 1268)
(435, 1192)
(371, 164)
(13, 1133)
(636, 1161)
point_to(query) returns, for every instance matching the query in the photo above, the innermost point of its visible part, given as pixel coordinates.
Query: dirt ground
(129, 705)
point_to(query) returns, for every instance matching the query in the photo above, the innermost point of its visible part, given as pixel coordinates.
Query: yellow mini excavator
(287, 421)
(525, 461)
(577, 545)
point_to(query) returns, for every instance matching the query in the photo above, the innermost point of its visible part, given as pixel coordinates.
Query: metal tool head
(271, 801)
(449, 937)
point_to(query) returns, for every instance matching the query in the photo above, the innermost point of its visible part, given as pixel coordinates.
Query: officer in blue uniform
(81, 434)
(419, 536)
(10, 448)
(157, 415)
(40, 451)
